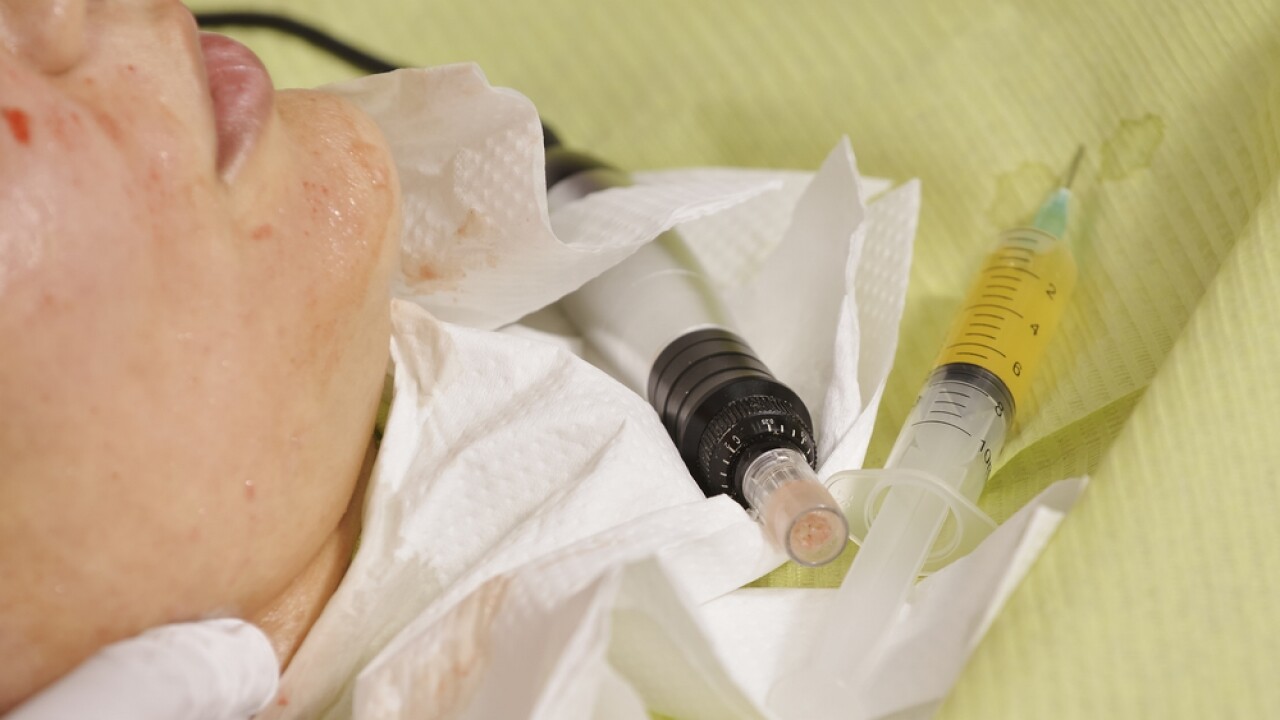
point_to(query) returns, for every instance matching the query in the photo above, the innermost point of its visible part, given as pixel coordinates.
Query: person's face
(193, 325)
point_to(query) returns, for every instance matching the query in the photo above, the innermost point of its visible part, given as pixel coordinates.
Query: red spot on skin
(262, 232)
(65, 127)
(19, 125)
(249, 490)
(131, 68)
(427, 272)
(282, 701)
(110, 126)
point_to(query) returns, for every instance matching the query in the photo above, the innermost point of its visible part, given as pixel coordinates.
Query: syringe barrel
(956, 429)
(1013, 309)
(994, 347)
(951, 437)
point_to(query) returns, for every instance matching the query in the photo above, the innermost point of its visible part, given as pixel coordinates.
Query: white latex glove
(211, 670)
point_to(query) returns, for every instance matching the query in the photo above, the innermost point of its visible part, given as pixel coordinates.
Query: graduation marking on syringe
(993, 305)
(977, 344)
(1011, 268)
(942, 422)
(1013, 258)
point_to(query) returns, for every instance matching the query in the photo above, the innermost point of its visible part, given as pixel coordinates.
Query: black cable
(310, 33)
(356, 57)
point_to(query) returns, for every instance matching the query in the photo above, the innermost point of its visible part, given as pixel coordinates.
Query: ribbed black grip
(723, 408)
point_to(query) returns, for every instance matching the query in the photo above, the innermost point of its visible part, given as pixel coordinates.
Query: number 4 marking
(1035, 328)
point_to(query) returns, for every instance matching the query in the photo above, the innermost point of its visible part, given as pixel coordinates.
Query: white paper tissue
(533, 546)
(764, 632)
(478, 248)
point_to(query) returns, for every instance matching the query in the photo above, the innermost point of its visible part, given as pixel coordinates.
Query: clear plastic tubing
(661, 330)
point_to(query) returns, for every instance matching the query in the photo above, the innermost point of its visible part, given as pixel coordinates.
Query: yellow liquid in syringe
(1013, 308)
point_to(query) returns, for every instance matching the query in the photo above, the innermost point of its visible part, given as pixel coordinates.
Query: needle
(1075, 165)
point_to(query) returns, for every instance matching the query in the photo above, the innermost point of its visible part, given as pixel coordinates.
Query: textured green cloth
(1160, 597)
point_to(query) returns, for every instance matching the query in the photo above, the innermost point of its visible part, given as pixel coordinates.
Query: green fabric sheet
(1160, 595)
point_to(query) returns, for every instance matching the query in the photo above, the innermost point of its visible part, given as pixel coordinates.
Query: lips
(242, 93)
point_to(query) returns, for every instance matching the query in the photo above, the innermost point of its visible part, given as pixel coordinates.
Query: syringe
(957, 427)
(661, 328)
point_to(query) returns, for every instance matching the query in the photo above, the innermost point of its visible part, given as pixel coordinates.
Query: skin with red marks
(192, 356)
(19, 125)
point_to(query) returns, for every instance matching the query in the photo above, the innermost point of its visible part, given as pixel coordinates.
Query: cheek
(349, 199)
(84, 220)
(340, 203)
(63, 198)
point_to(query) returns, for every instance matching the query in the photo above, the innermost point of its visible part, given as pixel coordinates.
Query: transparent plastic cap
(797, 511)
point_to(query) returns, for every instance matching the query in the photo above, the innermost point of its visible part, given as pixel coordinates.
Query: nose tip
(47, 33)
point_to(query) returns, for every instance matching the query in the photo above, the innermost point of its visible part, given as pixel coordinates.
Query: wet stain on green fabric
(1131, 147)
(1019, 193)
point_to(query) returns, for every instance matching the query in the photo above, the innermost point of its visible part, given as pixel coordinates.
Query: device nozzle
(797, 511)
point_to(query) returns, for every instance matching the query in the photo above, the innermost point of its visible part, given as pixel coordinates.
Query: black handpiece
(659, 328)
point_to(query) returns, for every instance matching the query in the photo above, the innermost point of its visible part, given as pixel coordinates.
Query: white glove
(211, 670)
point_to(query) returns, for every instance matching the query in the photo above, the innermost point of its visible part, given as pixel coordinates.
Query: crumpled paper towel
(533, 546)
(764, 632)
(478, 248)
(498, 452)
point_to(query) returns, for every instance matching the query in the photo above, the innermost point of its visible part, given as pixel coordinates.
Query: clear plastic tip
(1052, 217)
(798, 512)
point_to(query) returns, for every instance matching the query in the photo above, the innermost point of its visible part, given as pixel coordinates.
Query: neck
(288, 618)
